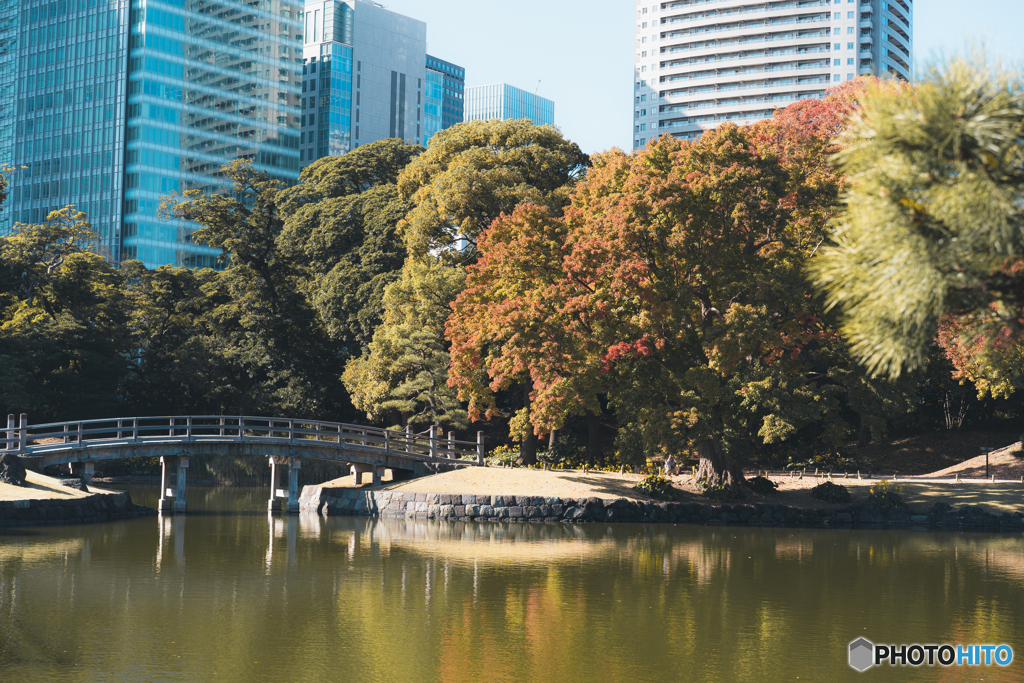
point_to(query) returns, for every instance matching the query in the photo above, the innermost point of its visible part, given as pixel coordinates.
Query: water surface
(228, 593)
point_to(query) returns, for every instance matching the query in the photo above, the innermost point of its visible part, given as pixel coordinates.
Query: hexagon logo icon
(862, 654)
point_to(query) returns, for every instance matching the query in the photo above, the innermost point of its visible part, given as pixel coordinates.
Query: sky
(581, 51)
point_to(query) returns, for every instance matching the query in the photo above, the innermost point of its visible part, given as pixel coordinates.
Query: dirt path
(41, 486)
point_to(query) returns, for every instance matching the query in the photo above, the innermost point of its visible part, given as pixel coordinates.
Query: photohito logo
(864, 654)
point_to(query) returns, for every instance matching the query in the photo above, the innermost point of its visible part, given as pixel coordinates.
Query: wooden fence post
(433, 441)
(23, 433)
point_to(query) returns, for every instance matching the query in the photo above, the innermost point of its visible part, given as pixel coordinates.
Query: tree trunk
(864, 436)
(551, 438)
(528, 453)
(593, 439)
(715, 469)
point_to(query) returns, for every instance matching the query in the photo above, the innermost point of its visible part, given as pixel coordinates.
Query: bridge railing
(56, 436)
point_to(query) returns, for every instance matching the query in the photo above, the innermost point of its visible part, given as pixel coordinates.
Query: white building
(700, 63)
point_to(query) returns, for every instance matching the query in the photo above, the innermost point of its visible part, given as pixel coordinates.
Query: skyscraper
(445, 96)
(700, 63)
(503, 101)
(117, 107)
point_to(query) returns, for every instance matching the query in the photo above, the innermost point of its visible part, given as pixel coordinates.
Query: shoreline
(345, 501)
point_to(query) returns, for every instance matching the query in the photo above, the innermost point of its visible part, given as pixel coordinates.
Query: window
(643, 126)
(838, 15)
(643, 112)
(836, 77)
(838, 45)
(849, 61)
(849, 30)
(643, 98)
(849, 77)
(849, 46)
(643, 69)
(644, 25)
(644, 53)
(837, 62)
(836, 31)
(644, 39)
(850, 15)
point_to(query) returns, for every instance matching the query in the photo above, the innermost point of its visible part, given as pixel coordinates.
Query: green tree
(265, 325)
(932, 222)
(340, 230)
(63, 328)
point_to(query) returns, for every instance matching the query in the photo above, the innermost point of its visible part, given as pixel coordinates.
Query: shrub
(827, 461)
(886, 494)
(656, 486)
(718, 491)
(762, 485)
(830, 493)
(503, 455)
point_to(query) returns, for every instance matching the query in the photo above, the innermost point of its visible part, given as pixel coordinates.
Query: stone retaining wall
(98, 507)
(490, 508)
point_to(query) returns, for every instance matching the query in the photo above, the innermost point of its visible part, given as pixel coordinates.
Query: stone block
(515, 512)
(459, 510)
(486, 511)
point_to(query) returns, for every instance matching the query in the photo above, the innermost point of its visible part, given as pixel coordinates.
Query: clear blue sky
(582, 50)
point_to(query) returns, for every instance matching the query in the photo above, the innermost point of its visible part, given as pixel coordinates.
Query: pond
(228, 593)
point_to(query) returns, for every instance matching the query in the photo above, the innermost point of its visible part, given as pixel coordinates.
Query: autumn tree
(674, 286)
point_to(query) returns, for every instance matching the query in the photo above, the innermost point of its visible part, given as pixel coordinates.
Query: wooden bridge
(285, 442)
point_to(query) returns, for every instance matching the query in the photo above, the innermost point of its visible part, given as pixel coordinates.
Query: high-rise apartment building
(700, 63)
(503, 101)
(444, 96)
(117, 106)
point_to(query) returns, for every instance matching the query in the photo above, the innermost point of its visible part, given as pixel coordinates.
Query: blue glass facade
(208, 82)
(327, 103)
(68, 118)
(503, 101)
(444, 99)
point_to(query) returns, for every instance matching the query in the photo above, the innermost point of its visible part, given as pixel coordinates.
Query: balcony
(866, 70)
(865, 54)
(868, 24)
(866, 8)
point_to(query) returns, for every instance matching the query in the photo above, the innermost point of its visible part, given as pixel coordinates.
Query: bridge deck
(175, 438)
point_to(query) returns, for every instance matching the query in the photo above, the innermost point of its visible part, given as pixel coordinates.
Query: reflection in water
(303, 598)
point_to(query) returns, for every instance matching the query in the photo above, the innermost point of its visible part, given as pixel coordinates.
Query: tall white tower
(700, 63)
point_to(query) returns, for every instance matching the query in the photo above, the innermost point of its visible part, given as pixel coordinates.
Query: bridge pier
(376, 473)
(291, 494)
(173, 498)
(83, 471)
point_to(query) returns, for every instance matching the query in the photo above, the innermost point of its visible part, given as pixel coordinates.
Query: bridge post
(294, 465)
(88, 469)
(275, 472)
(23, 433)
(10, 434)
(451, 445)
(408, 438)
(433, 441)
(166, 498)
(387, 442)
(179, 499)
(480, 448)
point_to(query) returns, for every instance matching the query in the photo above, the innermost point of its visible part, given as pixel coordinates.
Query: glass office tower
(208, 82)
(69, 113)
(503, 101)
(117, 106)
(452, 80)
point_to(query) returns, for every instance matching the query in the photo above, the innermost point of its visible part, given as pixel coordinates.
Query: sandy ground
(999, 497)
(1005, 463)
(40, 486)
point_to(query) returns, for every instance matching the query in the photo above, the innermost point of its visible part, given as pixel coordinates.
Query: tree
(673, 285)
(931, 227)
(469, 176)
(63, 332)
(340, 229)
(477, 170)
(265, 326)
